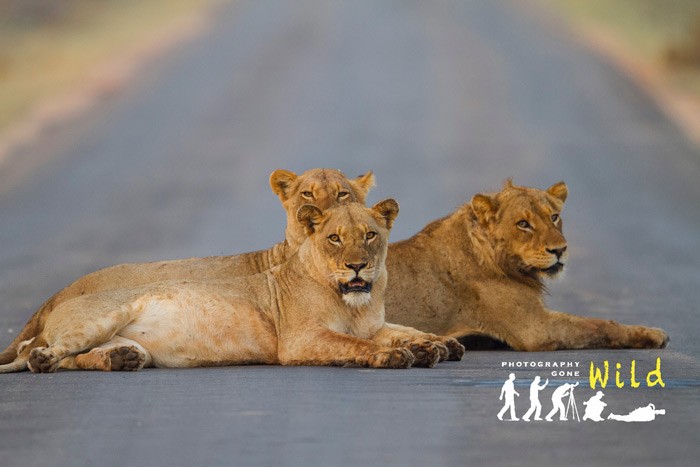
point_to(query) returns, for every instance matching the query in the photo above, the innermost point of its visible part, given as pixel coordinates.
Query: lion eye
(524, 225)
(335, 238)
(307, 194)
(555, 218)
(370, 235)
(343, 194)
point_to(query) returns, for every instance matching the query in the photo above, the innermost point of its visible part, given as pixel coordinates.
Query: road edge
(104, 81)
(682, 108)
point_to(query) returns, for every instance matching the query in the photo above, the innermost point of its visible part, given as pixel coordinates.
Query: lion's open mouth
(355, 285)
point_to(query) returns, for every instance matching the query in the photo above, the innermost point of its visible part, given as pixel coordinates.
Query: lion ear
(281, 182)
(484, 207)
(362, 184)
(559, 191)
(309, 216)
(386, 211)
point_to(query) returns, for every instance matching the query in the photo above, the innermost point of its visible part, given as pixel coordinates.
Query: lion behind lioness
(323, 188)
(480, 271)
(324, 306)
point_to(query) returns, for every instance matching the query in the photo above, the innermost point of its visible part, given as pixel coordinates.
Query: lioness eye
(524, 225)
(334, 238)
(307, 194)
(343, 194)
(370, 235)
(555, 218)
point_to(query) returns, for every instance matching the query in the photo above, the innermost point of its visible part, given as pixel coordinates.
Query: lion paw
(652, 338)
(426, 353)
(43, 360)
(442, 349)
(126, 358)
(394, 358)
(456, 350)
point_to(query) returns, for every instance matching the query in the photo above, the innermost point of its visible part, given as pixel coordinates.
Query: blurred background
(135, 131)
(47, 46)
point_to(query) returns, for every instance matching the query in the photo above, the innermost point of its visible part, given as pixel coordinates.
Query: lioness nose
(356, 266)
(557, 251)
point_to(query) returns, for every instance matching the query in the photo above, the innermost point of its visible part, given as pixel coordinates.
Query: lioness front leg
(575, 332)
(546, 330)
(326, 347)
(423, 345)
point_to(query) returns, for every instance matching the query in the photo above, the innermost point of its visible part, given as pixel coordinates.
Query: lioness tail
(18, 365)
(32, 329)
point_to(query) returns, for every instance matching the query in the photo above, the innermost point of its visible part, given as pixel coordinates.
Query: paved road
(440, 99)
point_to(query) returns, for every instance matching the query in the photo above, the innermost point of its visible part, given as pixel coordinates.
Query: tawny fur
(477, 273)
(322, 187)
(293, 314)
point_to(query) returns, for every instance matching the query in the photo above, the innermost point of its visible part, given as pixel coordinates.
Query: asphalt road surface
(442, 100)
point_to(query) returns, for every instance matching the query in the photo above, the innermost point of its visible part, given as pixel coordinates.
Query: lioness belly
(190, 331)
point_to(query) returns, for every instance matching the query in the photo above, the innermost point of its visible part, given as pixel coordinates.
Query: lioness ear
(559, 190)
(309, 216)
(280, 182)
(386, 211)
(361, 186)
(484, 207)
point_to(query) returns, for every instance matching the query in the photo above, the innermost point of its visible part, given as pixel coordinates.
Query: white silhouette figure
(560, 393)
(640, 414)
(535, 405)
(594, 407)
(509, 391)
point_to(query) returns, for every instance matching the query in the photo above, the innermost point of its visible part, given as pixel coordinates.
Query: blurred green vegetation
(48, 46)
(665, 31)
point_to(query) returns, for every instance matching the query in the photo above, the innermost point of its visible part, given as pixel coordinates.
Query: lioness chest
(206, 325)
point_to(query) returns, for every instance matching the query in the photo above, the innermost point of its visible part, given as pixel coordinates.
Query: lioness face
(351, 244)
(323, 188)
(526, 227)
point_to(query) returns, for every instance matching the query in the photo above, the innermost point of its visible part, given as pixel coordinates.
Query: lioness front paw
(650, 338)
(43, 360)
(126, 358)
(456, 350)
(426, 353)
(394, 358)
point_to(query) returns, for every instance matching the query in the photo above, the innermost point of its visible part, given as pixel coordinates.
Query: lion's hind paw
(43, 360)
(126, 358)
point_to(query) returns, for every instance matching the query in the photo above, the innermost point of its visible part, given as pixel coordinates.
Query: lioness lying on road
(324, 306)
(322, 187)
(480, 271)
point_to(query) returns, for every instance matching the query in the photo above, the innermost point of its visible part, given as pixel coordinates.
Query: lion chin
(554, 270)
(357, 299)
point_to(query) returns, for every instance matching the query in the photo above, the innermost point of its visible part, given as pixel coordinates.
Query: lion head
(524, 228)
(350, 244)
(323, 188)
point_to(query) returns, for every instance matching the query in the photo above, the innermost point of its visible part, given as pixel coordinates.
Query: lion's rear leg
(119, 354)
(76, 326)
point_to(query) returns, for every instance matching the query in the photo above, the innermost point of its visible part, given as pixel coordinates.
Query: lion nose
(356, 267)
(557, 251)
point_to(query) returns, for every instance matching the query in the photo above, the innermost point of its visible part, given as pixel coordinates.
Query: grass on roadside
(663, 33)
(649, 27)
(49, 46)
